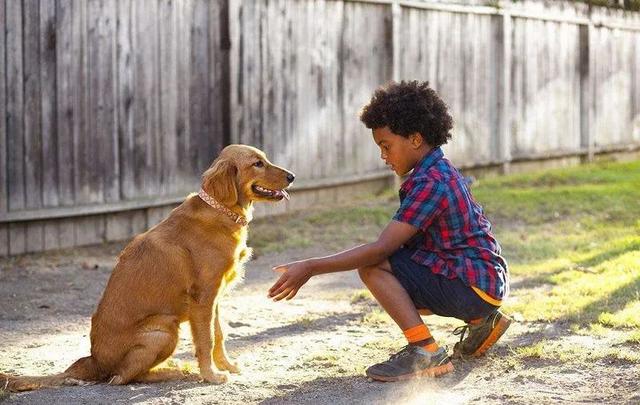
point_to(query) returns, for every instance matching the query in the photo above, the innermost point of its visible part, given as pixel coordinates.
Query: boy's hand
(294, 275)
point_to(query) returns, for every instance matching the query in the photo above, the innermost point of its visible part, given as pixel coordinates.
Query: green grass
(571, 237)
(573, 234)
(563, 352)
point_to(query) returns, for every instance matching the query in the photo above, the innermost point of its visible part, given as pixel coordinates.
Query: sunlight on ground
(433, 398)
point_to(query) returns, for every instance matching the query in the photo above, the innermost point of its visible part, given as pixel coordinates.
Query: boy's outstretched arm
(296, 274)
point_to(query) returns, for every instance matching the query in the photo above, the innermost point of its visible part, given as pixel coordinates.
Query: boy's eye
(259, 163)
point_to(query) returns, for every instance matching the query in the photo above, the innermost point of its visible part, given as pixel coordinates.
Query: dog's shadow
(102, 393)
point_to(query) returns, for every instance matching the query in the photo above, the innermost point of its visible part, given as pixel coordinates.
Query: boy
(437, 255)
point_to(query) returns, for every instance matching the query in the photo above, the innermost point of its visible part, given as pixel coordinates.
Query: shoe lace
(462, 331)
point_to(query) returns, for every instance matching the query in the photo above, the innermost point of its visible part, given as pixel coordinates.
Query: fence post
(587, 100)
(396, 17)
(503, 88)
(225, 47)
(396, 20)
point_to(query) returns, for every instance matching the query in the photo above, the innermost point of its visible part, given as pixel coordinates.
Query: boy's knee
(364, 273)
(371, 272)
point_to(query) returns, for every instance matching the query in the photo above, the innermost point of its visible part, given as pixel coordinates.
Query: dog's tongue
(282, 193)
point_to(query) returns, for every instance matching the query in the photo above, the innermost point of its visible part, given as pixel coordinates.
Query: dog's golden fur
(173, 273)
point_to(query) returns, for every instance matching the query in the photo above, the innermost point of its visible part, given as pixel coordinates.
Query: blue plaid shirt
(455, 237)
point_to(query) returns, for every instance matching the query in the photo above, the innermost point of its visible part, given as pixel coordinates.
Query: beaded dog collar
(238, 219)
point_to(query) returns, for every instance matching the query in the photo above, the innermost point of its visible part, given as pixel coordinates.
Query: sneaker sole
(501, 327)
(430, 372)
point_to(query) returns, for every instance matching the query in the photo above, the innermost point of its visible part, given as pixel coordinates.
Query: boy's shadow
(359, 389)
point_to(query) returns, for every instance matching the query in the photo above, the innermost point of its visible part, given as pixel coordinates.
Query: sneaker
(412, 362)
(480, 337)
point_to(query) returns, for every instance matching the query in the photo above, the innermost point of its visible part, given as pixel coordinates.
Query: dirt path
(313, 349)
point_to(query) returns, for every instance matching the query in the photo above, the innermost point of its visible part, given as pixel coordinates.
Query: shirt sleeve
(422, 204)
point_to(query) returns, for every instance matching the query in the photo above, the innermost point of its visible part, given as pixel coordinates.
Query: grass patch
(323, 358)
(571, 353)
(633, 337)
(376, 317)
(362, 297)
(572, 238)
(306, 321)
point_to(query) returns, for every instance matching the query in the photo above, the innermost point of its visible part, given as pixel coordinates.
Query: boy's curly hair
(408, 107)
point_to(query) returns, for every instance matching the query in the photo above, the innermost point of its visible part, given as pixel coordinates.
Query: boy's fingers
(277, 284)
(278, 291)
(281, 295)
(292, 294)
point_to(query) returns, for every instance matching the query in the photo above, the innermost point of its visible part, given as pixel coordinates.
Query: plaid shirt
(455, 237)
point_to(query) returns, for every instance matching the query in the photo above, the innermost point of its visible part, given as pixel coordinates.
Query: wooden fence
(114, 107)
(109, 105)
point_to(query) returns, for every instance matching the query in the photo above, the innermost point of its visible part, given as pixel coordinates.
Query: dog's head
(243, 174)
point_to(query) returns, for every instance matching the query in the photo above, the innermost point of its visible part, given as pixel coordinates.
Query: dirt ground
(313, 349)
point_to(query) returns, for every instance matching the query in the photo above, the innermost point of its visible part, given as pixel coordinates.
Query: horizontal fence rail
(113, 108)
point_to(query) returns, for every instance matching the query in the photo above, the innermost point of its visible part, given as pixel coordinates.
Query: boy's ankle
(428, 344)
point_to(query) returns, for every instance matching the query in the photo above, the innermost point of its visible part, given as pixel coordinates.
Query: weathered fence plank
(146, 157)
(33, 165)
(101, 123)
(169, 88)
(81, 145)
(47, 42)
(14, 106)
(612, 86)
(66, 116)
(32, 105)
(125, 98)
(546, 94)
(4, 231)
(15, 118)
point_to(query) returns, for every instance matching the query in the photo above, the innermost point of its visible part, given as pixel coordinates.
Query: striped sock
(420, 336)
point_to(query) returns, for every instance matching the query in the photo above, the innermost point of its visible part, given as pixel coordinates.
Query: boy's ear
(416, 140)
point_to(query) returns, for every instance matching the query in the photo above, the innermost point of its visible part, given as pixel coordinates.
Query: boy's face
(398, 152)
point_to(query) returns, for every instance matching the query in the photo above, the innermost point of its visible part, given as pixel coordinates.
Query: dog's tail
(83, 372)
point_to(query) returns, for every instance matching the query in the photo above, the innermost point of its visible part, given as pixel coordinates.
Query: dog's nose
(290, 177)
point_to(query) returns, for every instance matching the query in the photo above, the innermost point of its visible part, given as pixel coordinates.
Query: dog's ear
(219, 181)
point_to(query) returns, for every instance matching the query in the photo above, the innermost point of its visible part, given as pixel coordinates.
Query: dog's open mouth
(268, 193)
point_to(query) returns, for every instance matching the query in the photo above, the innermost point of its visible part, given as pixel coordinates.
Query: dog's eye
(259, 163)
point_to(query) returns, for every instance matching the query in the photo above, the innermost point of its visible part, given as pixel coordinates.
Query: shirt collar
(431, 158)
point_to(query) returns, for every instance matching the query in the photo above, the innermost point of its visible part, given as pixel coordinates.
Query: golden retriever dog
(173, 273)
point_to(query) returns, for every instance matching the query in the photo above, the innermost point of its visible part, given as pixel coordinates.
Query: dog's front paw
(228, 366)
(213, 377)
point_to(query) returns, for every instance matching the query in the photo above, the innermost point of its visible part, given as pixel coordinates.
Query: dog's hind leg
(166, 374)
(85, 369)
(151, 348)
(82, 372)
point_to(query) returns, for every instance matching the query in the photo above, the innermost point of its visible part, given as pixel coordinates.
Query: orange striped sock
(420, 336)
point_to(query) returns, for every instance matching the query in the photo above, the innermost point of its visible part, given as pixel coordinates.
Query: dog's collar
(238, 219)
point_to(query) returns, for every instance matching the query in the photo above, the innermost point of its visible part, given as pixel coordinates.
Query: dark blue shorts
(435, 292)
